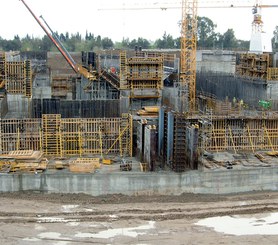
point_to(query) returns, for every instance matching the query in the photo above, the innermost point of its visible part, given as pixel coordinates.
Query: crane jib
(65, 55)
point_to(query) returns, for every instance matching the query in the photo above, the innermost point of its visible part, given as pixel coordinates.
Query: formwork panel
(68, 136)
(51, 137)
(244, 134)
(18, 77)
(20, 134)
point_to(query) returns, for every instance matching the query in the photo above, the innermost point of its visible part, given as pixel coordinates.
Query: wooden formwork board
(61, 85)
(84, 165)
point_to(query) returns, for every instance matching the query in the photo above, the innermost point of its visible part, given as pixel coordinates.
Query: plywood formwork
(84, 165)
(57, 136)
(123, 71)
(61, 86)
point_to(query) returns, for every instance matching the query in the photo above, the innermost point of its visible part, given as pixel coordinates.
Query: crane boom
(55, 40)
(166, 7)
(51, 38)
(58, 40)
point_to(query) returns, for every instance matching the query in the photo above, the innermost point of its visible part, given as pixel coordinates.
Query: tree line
(207, 37)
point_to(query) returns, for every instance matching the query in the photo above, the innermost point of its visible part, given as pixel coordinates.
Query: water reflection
(266, 224)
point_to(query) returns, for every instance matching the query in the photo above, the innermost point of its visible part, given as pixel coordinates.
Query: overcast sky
(80, 15)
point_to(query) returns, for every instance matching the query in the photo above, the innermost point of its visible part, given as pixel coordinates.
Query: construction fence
(57, 136)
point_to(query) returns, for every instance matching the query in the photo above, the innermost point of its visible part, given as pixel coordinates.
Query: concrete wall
(3, 106)
(207, 182)
(18, 106)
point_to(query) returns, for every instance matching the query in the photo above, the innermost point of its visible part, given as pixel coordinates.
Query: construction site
(140, 146)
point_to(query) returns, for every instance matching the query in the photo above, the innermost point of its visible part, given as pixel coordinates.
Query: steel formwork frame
(20, 134)
(17, 77)
(123, 71)
(57, 136)
(244, 134)
(51, 134)
(144, 71)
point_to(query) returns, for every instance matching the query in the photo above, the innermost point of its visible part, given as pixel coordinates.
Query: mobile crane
(91, 75)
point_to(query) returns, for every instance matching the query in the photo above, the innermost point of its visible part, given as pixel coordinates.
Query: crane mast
(188, 55)
(257, 24)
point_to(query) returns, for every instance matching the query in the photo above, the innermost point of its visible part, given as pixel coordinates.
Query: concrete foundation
(150, 183)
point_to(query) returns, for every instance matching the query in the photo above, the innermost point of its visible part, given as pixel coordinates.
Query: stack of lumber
(24, 161)
(84, 165)
(150, 111)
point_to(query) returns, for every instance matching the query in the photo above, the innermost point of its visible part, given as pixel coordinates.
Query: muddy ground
(41, 218)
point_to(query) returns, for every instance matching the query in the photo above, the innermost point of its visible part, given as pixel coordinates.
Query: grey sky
(78, 16)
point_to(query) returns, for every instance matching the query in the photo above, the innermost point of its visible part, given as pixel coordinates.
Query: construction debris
(149, 111)
(126, 165)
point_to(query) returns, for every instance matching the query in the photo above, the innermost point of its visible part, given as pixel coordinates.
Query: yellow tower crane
(188, 55)
(187, 79)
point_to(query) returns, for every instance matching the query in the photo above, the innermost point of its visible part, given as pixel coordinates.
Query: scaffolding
(123, 71)
(57, 136)
(51, 134)
(143, 71)
(217, 133)
(20, 134)
(16, 76)
(244, 134)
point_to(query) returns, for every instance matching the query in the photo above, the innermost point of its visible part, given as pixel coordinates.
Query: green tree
(206, 35)
(107, 43)
(167, 41)
(229, 39)
(46, 43)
